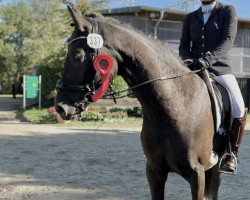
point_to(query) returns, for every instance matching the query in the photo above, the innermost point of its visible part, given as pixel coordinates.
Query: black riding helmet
(207, 2)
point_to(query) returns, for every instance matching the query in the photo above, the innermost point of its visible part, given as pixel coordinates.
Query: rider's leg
(231, 82)
(239, 119)
(236, 136)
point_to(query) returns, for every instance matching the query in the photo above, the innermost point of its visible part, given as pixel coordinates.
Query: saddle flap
(221, 101)
(225, 101)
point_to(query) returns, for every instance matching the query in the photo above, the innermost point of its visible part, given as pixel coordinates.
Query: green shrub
(135, 112)
(96, 109)
(115, 115)
(51, 71)
(91, 115)
(116, 110)
(118, 84)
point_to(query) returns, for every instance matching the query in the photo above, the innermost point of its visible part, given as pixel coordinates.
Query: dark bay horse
(178, 128)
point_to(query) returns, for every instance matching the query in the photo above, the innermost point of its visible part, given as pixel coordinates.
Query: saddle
(221, 100)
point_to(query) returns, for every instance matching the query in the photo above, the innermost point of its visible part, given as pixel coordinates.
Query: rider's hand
(201, 63)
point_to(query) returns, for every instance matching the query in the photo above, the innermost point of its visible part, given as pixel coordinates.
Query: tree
(29, 34)
(184, 5)
(92, 7)
(89, 7)
(14, 30)
(35, 33)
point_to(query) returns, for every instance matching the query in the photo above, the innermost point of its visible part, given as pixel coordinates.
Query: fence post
(24, 92)
(40, 91)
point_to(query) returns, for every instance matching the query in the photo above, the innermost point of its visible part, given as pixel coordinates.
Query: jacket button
(202, 53)
(202, 37)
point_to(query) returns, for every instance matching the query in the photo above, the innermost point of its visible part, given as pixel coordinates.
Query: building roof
(171, 14)
(134, 9)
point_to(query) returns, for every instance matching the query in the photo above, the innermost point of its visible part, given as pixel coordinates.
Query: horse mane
(164, 54)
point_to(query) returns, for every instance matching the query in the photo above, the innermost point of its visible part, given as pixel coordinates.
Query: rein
(167, 77)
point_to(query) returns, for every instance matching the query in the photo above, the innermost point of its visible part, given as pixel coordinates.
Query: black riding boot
(236, 137)
(220, 144)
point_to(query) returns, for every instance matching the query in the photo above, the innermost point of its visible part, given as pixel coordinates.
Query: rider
(207, 36)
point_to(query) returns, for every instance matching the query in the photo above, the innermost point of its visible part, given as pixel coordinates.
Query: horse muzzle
(65, 112)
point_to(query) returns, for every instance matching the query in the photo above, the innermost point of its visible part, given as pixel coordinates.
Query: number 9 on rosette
(103, 63)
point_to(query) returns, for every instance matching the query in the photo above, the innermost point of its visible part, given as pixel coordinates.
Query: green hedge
(50, 75)
(118, 85)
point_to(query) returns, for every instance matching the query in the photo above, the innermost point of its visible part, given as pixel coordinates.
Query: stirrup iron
(223, 158)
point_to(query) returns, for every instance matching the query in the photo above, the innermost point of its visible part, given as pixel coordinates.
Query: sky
(242, 6)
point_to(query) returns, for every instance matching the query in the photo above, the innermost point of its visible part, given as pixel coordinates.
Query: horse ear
(81, 23)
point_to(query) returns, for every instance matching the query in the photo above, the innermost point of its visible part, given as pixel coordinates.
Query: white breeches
(231, 82)
(238, 102)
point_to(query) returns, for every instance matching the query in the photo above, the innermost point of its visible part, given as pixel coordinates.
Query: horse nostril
(65, 111)
(60, 111)
(61, 115)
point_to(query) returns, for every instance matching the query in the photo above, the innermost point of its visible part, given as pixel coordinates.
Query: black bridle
(87, 89)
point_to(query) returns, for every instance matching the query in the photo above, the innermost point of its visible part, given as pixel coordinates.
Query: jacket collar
(214, 11)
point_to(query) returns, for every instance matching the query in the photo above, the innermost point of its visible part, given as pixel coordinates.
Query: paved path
(6, 106)
(39, 162)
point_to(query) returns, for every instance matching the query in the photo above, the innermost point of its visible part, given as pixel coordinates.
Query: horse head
(88, 67)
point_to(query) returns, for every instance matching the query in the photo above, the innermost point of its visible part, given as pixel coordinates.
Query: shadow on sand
(108, 165)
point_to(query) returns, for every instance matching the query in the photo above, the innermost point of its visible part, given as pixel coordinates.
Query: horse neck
(141, 59)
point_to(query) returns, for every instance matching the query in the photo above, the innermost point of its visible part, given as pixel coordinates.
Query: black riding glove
(201, 63)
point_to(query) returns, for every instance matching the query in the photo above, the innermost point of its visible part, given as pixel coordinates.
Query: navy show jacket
(216, 36)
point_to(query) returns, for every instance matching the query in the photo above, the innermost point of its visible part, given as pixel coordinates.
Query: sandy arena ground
(39, 162)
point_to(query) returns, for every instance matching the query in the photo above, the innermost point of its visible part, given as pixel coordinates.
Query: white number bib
(95, 41)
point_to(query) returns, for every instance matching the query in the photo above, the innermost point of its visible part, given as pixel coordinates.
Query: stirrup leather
(222, 161)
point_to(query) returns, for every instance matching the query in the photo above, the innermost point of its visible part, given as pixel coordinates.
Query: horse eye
(78, 57)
